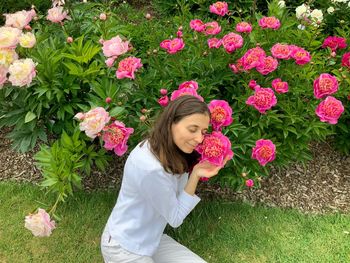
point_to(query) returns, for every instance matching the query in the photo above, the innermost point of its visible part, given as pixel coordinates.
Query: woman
(156, 189)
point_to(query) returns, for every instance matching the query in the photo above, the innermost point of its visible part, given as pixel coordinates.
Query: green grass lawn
(219, 232)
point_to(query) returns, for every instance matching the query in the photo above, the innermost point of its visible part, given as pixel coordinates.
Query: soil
(322, 186)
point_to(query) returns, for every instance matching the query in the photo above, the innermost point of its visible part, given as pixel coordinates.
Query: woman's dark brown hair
(161, 139)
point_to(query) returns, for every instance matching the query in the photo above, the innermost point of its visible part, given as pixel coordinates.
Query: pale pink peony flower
(40, 224)
(263, 99)
(244, 27)
(185, 91)
(324, 85)
(215, 148)
(345, 61)
(116, 136)
(115, 47)
(300, 55)
(163, 92)
(22, 72)
(221, 114)
(214, 43)
(27, 40)
(19, 19)
(9, 37)
(103, 16)
(280, 86)
(281, 51)
(252, 58)
(172, 46)
(197, 25)
(267, 65)
(264, 151)
(269, 22)
(231, 42)
(334, 42)
(57, 15)
(330, 110)
(127, 67)
(189, 84)
(93, 121)
(3, 75)
(7, 56)
(163, 101)
(212, 28)
(219, 8)
(249, 183)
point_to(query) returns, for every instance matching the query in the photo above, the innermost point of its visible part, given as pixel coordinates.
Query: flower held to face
(264, 151)
(330, 110)
(40, 223)
(116, 136)
(221, 114)
(324, 85)
(215, 148)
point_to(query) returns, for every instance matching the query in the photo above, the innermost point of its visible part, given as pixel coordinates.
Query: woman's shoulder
(142, 156)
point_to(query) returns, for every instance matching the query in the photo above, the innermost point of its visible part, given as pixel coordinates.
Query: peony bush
(95, 77)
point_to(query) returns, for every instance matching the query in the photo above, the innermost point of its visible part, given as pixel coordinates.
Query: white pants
(169, 251)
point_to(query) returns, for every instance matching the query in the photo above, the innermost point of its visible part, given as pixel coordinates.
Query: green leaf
(29, 117)
(116, 111)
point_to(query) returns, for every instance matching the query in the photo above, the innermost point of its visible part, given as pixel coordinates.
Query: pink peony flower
(115, 47)
(249, 183)
(214, 43)
(221, 114)
(281, 51)
(7, 56)
(264, 151)
(9, 37)
(189, 84)
(269, 22)
(22, 72)
(345, 61)
(185, 91)
(163, 92)
(334, 42)
(163, 101)
(280, 86)
(27, 40)
(172, 46)
(56, 14)
(252, 84)
(127, 67)
(231, 42)
(244, 27)
(263, 99)
(324, 85)
(116, 136)
(212, 28)
(40, 223)
(19, 19)
(219, 8)
(252, 58)
(215, 148)
(267, 65)
(300, 55)
(3, 75)
(330, 110)
(93, 121)
(197, 25)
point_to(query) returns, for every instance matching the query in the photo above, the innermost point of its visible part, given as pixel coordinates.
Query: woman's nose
(199, 137)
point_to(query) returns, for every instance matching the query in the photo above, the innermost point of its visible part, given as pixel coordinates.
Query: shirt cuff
(190, 201)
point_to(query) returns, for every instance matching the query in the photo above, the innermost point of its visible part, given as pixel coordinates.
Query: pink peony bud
(163, 92)
(101, 41)
(148, 16)
(143, 118)
(103, 16)
(163, 101)
(179, 34)
(249, 183)
(28, 27)
(69, 40)
(108, 100)
(252, 84)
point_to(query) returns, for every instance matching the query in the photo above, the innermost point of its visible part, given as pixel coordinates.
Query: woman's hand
(206, 169)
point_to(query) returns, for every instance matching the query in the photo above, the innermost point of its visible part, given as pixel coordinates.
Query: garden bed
(319, 187)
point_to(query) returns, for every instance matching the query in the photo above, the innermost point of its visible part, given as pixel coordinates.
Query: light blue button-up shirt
(149, 198)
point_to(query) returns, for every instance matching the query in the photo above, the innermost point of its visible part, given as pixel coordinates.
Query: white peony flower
(330, 10)
(302, 11)
(282, 4)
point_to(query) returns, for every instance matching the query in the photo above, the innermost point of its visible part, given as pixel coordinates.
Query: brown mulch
(321, 187)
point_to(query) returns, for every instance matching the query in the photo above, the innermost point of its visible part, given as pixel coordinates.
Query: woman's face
(189, 131)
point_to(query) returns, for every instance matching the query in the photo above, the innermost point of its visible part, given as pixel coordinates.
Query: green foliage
(66, 161)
